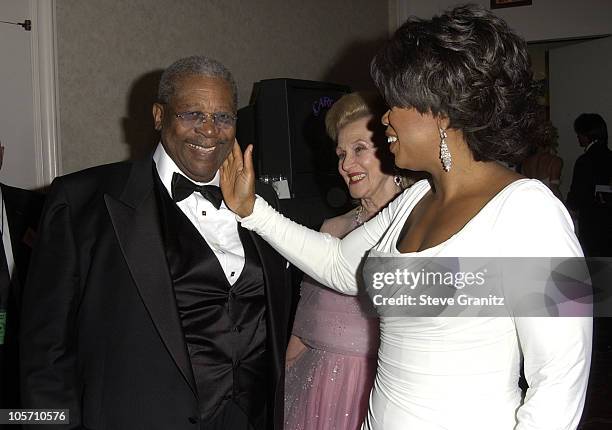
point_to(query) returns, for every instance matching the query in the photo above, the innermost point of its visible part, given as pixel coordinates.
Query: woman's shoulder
(528, 198)
(556, 161)
(526, 189)
(550, 160)
(412, 194)
(343, 224)
(402, 205)
(340, 225)
(419, 185)
(527, 212)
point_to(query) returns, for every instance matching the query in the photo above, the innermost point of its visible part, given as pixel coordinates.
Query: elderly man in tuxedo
(147, 305)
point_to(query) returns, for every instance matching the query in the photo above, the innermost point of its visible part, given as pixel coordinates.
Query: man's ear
(158, 115)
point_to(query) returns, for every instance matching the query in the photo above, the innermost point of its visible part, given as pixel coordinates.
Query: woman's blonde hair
(351, 107)
(357, 105)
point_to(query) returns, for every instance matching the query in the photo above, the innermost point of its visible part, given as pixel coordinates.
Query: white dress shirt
(6, 239)
(218, 227)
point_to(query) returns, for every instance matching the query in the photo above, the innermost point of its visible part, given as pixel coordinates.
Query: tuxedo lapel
(135, 218)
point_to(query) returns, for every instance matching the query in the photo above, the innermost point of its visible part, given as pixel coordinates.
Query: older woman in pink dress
(331, 358)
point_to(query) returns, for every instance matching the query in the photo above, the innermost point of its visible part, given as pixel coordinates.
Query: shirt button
(203, 213)
(192, 420)
(237, 329)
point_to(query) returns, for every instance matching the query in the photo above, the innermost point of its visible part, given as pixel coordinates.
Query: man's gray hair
(195, 65)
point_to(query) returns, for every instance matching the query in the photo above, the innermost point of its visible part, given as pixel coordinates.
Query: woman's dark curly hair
(466, 65)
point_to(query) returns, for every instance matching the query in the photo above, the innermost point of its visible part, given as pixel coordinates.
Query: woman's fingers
(248, 161)
(232, 165)
(238, 180)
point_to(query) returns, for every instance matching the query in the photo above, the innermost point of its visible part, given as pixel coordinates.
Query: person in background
(147, 307)
(592, 168)
(20, 214)
(593, 210)
(461, 97)
(544, 165)
(331, 358)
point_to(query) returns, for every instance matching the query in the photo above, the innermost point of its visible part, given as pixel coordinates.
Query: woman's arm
(556, 350)
(327, 259)
(557, 358)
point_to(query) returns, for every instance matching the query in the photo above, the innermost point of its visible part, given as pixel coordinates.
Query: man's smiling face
(198, 151)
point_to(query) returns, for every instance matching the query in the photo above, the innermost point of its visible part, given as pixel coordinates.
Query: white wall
(109, 52)
(543, 20)
(579, 82)
(16, 102)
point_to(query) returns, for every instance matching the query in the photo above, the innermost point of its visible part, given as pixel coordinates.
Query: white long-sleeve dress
(459, 373)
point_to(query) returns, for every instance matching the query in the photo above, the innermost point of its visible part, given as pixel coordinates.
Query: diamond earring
(445, 155)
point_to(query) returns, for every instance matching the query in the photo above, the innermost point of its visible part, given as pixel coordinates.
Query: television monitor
(286, 123)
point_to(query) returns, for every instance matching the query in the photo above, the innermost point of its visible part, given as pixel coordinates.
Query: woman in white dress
(461, 102)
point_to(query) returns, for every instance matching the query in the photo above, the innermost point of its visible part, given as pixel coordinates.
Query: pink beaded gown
(328, 386)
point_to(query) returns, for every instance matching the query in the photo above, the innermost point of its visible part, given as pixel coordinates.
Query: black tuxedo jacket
(23, 210)
(594, 167)
(101, 333)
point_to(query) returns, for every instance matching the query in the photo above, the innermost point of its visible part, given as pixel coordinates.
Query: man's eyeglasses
(222, 120)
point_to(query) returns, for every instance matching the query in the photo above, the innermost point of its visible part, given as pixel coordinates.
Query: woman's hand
(295, 349)
(238, 180)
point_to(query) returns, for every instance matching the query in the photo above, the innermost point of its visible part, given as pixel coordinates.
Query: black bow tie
(183, 188)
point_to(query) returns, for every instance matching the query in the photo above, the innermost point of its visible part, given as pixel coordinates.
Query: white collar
(589, 145)
(166, 167)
